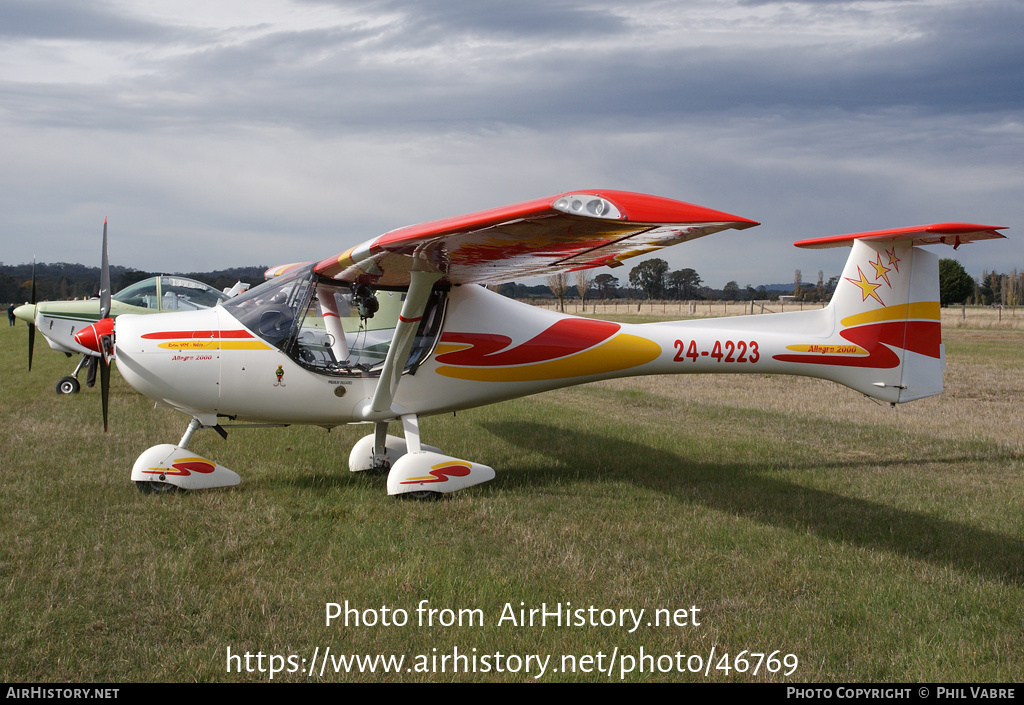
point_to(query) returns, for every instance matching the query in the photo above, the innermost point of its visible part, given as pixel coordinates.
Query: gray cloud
(66, 19)
(816, 118)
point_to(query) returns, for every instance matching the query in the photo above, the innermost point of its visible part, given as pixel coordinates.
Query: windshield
(180, 294)
(270, 309)
(170, 294)
(142, 294)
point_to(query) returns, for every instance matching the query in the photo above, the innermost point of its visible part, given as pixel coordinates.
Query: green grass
(876, 545)
(993, 346)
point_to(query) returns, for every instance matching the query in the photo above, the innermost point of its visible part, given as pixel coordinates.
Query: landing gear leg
(411, 429)
(70, 384)
(380, 448)
(193, 426)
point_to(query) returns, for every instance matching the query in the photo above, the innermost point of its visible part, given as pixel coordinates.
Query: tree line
(956, 286)
(653, 280)
(61, 280)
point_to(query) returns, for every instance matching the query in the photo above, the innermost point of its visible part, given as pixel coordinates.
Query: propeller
(99, 337)
(32, 325)
(107, 339)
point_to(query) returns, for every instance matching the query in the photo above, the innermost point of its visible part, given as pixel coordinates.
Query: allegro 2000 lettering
(728, 351)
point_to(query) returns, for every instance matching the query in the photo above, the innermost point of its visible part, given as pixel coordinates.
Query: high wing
(954, 234)
(566, 232)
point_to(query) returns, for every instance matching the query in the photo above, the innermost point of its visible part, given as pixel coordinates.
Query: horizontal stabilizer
(954, 234)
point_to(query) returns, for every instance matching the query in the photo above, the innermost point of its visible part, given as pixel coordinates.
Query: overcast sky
(241, 132)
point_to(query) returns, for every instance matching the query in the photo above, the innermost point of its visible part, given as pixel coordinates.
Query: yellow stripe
(243, 345)
(345, 258)
(620, 353)
(928, 310)
(190, 345)
(829, 349)
(443, 348)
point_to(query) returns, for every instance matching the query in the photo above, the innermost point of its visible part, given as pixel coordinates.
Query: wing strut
(379, 407)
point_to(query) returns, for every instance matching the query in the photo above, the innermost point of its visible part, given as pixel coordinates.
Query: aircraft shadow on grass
(742, 490)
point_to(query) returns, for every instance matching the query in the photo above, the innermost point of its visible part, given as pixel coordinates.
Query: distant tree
(955, 284)
(606, 285)
(990, 288)
(808, 292)
(685, 284)
(833, 282)
(583, 279)
(559, 284)
(650, 276)
(130, 277)
(731, 291)
(797, 284)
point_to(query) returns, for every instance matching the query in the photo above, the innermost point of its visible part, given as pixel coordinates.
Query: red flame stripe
(442, 474)
(566, 337)
(922, 337)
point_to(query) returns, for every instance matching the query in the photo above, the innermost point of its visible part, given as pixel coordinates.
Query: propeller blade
(99, 337)
(105, 341)
(104, 277)
(32, 326)
(104, 387)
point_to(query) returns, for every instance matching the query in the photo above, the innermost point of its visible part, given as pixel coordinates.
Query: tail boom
(880, 335)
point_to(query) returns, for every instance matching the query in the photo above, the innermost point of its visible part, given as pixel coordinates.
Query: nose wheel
(68, 385)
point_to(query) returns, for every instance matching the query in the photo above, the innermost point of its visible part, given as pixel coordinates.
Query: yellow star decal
(881, 271)
(866, 288)
(893, 259)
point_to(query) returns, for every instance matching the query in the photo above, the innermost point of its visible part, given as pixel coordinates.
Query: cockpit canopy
(169, 293)
(333, 327)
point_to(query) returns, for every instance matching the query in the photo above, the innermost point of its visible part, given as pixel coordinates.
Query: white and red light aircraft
(398, 328)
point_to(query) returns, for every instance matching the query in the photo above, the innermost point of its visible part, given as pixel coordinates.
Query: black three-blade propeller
(99, 337)
(32, 325)
(107, 340)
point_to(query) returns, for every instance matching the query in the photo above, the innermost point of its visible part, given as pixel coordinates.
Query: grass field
(873, 544)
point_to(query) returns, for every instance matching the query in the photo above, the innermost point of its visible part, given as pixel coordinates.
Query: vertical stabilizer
(887, 341)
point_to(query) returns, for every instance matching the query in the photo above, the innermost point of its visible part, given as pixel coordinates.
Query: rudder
(886, 341)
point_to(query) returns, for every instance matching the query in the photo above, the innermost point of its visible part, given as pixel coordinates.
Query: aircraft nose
(91, 337)
(26, 312)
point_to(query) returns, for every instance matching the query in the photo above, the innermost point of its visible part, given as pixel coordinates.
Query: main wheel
(68, 385)
(422, 495)
(155, 487)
